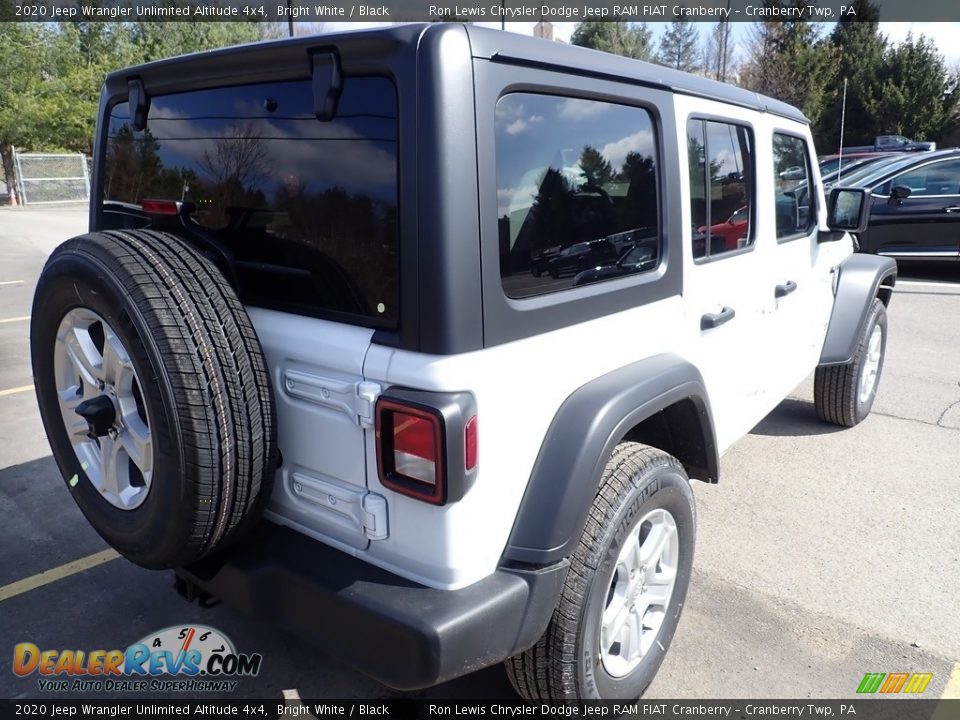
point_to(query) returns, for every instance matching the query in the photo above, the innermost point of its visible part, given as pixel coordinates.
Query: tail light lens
(160, 207)
(410, 451)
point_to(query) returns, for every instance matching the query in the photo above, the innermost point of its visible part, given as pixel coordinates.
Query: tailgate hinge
(367, 394)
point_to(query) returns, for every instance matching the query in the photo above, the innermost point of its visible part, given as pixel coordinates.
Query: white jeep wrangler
(409, 340)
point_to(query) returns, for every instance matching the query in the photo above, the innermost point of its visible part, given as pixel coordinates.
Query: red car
(732, 230)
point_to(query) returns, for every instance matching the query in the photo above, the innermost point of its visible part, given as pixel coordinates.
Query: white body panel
(748, 364)
(316, 366)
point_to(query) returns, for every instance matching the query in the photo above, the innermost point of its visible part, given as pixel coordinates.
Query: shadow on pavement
(794, 418)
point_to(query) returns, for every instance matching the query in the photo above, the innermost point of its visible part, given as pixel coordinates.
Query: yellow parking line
(58, 573)
(15, 319)
(15, 390)
(11, 282)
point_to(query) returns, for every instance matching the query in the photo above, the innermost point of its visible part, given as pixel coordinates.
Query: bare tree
(718, 53)
(239, 157)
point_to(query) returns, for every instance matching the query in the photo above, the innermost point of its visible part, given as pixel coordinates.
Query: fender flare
(861, 279)
(581, 438)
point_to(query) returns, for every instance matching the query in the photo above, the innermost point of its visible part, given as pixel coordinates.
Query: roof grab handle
(139, 103)
(327, 82)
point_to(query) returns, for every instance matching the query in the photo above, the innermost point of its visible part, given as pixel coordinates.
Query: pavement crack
(944, 414)
(917, 420)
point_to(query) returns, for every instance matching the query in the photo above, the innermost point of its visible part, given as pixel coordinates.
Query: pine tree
(859, 48)
(790, 62)
(620, 38)
(679, 46)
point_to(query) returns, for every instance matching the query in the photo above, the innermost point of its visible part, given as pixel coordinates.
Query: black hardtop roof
(486, 43)
(511, 47)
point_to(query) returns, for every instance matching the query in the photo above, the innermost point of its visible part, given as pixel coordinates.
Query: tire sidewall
(877, 316)
(661, 487)
(76, 280)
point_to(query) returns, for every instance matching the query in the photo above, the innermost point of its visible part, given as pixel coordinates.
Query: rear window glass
(307, 208)
(576, 192)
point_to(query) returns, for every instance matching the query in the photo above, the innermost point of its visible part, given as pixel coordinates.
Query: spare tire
(154, 394)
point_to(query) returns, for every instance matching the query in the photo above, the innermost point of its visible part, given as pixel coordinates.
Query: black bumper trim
(402, 634)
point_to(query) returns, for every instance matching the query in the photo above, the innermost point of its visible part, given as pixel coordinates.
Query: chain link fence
(52, 178)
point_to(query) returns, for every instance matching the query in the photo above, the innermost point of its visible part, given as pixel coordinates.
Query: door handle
(783, 290)
(952, 209)
(715, 320)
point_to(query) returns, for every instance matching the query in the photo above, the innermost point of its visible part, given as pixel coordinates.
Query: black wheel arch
(661, 401)
(861, 278)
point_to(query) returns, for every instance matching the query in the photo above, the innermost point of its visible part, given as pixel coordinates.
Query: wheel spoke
(77, 428)
(630, 637)
(135, 439)
(614, 618)
(653, 546)
(116, 362)
(84, 355)
(654, 596)
(114, 475)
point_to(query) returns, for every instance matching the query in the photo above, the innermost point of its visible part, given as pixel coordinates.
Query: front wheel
(844, 394)
(625, 589)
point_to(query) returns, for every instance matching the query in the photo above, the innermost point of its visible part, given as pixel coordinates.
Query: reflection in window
(576, 192)
(931, 180)
(308, 208)
(792, 183)
(720, 164)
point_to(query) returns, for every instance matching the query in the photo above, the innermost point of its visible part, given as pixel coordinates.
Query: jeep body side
(683, 355)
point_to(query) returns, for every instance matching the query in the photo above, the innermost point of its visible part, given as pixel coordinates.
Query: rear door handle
(952, 208)
(715, 320)
(783, 290)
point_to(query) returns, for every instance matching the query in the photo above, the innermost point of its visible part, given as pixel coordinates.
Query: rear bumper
(403, 634)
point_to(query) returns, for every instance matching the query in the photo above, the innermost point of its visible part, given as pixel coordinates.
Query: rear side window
(308, 208)
(576, 192)
(720, 163)
(792, 179)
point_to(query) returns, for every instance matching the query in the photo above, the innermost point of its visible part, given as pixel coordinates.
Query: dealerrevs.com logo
(184, 658)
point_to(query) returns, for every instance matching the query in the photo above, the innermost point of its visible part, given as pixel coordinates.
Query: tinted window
(576, 191)
(937, 179)
(720, 163)
(308, 208)
(792, 179)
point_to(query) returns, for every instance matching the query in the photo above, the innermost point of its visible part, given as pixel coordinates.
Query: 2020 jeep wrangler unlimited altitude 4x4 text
(308, 357)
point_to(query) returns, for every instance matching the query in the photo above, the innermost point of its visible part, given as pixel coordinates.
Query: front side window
(792, 180)
(307, 208)
(720, 164)
(576, 192)
(931, 180)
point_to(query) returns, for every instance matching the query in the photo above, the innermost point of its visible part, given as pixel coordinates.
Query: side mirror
(899, 193)
(848, 209)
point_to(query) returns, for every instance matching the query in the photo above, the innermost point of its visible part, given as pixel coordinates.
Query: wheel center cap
(99, 414)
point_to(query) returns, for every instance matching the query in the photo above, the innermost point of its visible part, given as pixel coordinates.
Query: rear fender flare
(580, 440)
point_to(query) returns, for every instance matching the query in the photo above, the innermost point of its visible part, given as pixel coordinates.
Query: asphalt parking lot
(822, 554)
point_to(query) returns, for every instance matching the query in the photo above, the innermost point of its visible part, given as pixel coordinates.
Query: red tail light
(160, 207)
(410, 451)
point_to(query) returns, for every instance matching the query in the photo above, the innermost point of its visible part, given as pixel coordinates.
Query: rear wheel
(625, 589)
(154, 394)
(844, 394)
